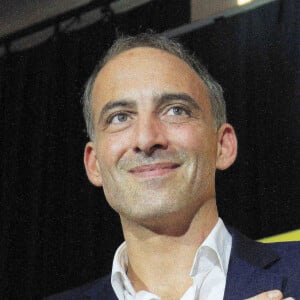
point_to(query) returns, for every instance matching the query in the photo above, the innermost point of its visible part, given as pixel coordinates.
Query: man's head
(122, 44)
(156, 145)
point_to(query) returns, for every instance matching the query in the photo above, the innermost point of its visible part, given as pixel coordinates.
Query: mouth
(154, 170)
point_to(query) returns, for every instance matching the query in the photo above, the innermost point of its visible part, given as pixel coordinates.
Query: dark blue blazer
(253, 268)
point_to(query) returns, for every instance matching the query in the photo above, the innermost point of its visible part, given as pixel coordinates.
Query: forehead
(146, 70)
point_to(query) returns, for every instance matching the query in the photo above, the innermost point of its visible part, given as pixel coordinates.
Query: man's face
(155, 145)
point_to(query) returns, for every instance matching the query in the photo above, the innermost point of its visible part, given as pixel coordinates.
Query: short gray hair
(151, 40)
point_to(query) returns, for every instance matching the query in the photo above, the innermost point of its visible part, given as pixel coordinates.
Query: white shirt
(208, 272)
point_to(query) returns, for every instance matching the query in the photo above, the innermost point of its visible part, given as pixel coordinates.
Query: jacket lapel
(248, 272)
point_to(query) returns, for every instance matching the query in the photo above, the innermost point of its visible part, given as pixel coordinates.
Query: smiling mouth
(154, 170)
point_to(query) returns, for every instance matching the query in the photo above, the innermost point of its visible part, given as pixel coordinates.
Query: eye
(118, 118)
(177, 111)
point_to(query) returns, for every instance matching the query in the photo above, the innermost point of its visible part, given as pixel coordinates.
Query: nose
(150, 135)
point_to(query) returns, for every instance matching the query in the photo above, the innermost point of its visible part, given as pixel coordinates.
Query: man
(158, 132)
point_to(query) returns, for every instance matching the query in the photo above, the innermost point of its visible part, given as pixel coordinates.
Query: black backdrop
(56, 229)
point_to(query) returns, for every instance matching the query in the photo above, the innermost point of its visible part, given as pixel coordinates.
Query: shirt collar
(215, 250)
(119, 279)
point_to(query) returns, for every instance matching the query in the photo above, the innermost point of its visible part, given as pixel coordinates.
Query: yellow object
(283, 237)
(243, 2)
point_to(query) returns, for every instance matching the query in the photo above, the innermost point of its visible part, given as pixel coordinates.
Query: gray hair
(151, 40)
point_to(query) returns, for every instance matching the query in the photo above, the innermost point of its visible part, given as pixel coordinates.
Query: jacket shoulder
(282, 257)
(286, 248)
(289, 253)
(97, 289)
(257, 267)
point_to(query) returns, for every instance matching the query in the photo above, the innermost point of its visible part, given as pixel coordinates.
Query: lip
(154, 170)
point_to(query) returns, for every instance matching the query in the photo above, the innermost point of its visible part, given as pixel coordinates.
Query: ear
(227, 147)
(91, 164)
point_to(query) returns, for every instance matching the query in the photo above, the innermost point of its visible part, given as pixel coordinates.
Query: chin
(152, 211)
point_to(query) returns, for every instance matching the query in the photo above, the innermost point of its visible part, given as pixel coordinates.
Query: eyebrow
(116, 104)
(178, 96)
(159, 100)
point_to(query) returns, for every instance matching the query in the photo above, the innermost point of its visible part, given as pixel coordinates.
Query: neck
(161, 256)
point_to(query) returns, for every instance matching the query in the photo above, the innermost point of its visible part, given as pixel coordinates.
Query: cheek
(200, 144)
(113, 147)
(194, 138)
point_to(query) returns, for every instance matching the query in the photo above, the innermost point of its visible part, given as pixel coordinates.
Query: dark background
(56, 229)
